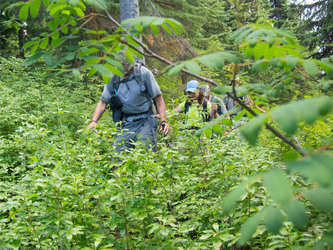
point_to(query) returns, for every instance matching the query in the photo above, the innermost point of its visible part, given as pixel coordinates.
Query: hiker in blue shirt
(132, 98)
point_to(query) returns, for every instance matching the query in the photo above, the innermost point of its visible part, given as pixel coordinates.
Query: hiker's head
(126, 64)
(205, 90)
(194, 92)
(192, 87)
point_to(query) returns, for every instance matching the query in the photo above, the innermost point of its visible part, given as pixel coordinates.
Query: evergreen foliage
(317, 30)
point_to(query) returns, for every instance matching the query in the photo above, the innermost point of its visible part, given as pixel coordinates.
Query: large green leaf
(193, 67)
(114, 70)
(49, 60)
(34, 8)
(251, 130)
(115, 63)
(76, 74)
(297, 214)
(99, 4)
(232, 197)
(228, 56)
(310, 67)
(328, 68)
(28, 44)
(218, 61)
(307, 111)
(208, 61)
(34, 58)
(273, 220)
(255, 67)
(208, 132)
(175, 25)
(74, 3)
(34, 48)
(270, 52)
(313, 168)
(285, 118)
(274, 62)
(44, 43)
(324, 104)
(166, 28)
(24, 11)
(221, 90)
(328, 237)
(135, 52)
(242, 33)
(248, 52)
(260, 50)
(292, 61)
(56, 42)
(70, 56)
(175, 70)
(227, 122)
(154, 28)
(218, 129)
(250, 227)
(321, 198)
(103, 70)
(278, 186)
(129, 56)
(240, 114)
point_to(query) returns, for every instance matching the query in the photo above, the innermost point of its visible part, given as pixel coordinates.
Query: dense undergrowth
(59, 189)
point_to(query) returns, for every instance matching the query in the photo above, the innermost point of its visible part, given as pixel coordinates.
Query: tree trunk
(130, 9)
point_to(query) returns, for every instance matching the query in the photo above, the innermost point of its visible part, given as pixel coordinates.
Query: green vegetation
(262, 180)
(59, 189)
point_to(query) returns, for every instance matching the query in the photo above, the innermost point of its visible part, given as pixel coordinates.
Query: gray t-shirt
(133, 99)
(221, 110)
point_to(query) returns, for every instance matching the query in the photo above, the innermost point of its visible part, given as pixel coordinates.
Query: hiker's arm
(165, 127)
(100, 108)
(213, 111)
(178, 110)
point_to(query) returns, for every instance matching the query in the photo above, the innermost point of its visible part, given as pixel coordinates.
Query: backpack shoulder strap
(204, 106)
(139, 79)
(116, 82)
(187, 107)
(137, 73)
(205, 115)
(213, 98)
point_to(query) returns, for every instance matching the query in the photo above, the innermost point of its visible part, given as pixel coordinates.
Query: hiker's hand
(214, 108)
(92, 125)
(165, 128)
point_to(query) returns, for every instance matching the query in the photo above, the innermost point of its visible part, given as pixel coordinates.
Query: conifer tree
(317, 31)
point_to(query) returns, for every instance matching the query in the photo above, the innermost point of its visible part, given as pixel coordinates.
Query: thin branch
(306, 76)
(269, 127)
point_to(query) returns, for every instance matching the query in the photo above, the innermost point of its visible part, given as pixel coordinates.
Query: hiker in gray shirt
(131, 98)
(221, 110)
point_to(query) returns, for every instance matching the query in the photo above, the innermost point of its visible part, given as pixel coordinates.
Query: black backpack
(117, 115)
(204, 114)
(137, 76)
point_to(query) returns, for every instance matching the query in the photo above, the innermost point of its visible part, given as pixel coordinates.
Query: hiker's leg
(147, 133)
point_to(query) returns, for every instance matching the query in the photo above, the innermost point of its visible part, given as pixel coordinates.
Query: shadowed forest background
(261, 180)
